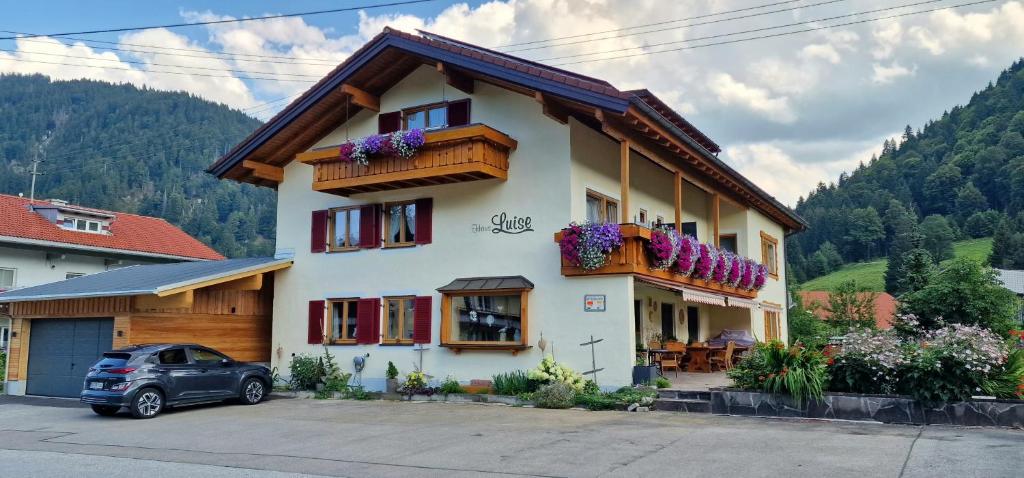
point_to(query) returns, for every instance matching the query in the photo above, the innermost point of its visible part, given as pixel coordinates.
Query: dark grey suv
(148, 378)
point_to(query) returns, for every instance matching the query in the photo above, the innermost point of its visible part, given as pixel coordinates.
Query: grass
(871, 275)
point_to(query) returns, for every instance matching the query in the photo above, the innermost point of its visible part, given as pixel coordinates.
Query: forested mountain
(960, 176)
(133, 149)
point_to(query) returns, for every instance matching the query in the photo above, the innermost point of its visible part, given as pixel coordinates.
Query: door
(184, 379)
(668, 329)
(61, 352)
(218, 377)
(638, 326)
(693, 323)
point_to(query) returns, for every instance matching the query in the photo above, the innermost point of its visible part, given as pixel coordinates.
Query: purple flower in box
(735, 270)
(345, 151)
(706, 262)
(664, 246)
(761, 277)
(587, 246)
(689, 253)
(747, 277)
(722, 266)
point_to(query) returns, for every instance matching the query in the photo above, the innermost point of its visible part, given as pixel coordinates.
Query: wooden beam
(181, 300)
(624, 179)
(456, 79)
(716, 204)
(265, 171)
(551, 108)
(253, 282)
(678, 187)
(361, 98)
(220, 280)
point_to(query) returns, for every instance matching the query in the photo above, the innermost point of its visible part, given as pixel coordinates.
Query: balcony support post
(716, 202)
(678, 185)
(624, 179)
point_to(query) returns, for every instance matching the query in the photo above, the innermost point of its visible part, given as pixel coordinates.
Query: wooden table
(699, 358)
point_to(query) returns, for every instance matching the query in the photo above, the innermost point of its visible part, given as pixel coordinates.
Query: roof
(487, 283)
(381, 62)
(1012, 280)
(146, 279)
(885, 306)
(130, 234)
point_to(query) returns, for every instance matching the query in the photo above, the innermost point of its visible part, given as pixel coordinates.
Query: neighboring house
(49, 241)
(1014, 281)
(60, 329)
(454, 248)
(885, 306)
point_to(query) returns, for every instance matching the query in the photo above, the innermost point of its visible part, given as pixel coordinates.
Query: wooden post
(716, 202)
(624, 179)
(679, 201)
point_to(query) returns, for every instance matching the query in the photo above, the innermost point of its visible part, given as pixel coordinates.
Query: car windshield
(113, 360)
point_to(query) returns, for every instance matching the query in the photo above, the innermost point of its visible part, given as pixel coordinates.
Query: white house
(453, 248)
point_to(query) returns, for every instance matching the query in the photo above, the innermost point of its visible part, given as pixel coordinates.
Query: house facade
(446, 257)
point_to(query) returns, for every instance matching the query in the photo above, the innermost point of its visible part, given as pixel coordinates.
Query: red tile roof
(885, 306)
(129, 233)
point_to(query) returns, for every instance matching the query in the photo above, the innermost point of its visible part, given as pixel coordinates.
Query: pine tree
(906, 238)
(969, 201)
(937, 237)
(915, 268)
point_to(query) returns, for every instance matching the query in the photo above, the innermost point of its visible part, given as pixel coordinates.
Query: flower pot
(392, 385)
(644, 374)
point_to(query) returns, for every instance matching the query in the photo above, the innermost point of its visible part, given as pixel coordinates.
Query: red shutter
(369, 226)
(421, 323)
(368, 321)
(458, 113)
(318, 232)
(389, 122)
(315, 332)
(424, 221)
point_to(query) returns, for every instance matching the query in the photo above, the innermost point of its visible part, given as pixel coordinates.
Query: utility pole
(35, 172)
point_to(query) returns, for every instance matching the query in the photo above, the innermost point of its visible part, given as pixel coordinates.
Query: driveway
(382, 439)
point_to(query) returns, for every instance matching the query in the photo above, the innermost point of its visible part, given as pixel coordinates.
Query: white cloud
(887, 36)
(758, 100)
(821, 51)
(888, 73)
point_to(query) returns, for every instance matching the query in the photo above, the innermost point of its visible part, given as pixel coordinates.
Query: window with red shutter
(458, 113)
(368, 321)
(389, 122)
(421, 325)
(424, 220)
(318, 231)
(315, 330)
(369, 226)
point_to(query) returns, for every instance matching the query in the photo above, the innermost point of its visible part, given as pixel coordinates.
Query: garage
(59, 330)
(62, 352)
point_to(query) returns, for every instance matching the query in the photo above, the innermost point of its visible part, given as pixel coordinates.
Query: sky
(789, 110)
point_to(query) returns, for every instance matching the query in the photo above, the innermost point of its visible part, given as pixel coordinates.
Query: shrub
(550, 371)
(868, 362)
(962, 292)
(305, 371)
(617, 400)
(511, 383)
(662, 382)
(451, 385)
(392, 372)
(951, 363)
(555, 395)
(773, 368)
(1008, 380)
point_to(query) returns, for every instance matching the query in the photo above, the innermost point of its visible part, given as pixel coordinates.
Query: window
(728, 242)
(206, 357)
(495, 318)
(660, 220)
(771, 325)
(601, 208)
(399, 317)
(172, 357)
(7, 278)
(84, 225)
(72, 275)
(344, 229)
(425, 117)
(643, 216)
(342, 327)
(400, 224)
(770, 254)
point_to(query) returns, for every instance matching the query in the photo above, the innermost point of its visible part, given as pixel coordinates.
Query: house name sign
(502, 223)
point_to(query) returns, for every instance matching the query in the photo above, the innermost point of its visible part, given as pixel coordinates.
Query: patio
(695, 381)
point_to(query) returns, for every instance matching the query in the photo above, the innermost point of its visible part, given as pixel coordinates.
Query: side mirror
(226, 362)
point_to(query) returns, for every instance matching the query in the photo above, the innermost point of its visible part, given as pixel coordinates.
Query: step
(682, 405)
(685, 394)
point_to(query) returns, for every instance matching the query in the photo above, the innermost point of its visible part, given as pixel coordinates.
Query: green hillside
(871, 274)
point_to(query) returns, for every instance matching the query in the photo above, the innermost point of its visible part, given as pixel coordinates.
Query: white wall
(34, 267)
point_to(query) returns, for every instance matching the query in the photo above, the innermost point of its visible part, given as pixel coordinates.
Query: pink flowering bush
(706, 262)
(735, 270)
(663, 247)
(689, 252)
(747, 276)
(722, 266)
(760, 277)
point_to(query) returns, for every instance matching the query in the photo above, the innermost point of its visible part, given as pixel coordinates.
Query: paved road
(384, 439)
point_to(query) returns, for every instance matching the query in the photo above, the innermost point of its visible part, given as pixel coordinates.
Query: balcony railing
(450, 155)
(633, 258)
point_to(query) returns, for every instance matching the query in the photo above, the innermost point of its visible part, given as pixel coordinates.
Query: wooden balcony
(450, 155)
(632, 258)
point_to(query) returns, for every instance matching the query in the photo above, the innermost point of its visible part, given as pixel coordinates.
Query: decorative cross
(593, 358)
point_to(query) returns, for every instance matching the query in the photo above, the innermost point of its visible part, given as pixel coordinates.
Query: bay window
(485, 313)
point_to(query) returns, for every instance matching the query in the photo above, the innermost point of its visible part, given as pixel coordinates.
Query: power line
(755, 30)
(709, 22)
(231, 20)
(158, 72)
(774, 35)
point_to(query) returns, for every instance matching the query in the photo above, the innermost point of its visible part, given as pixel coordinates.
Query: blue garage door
(61, 352)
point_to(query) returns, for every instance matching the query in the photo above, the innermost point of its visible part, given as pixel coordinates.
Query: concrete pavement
(383, 439)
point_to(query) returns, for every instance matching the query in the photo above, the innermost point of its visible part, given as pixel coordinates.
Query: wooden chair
(653, 345)
(724, 360)
(668, 361)
(678, 349)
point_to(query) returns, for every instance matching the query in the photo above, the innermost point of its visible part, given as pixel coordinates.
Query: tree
(937, 237)
(832, 257)
(864, 233)
(969, 201)
(804, 326)
(940, 189)
(907, 237)
(851, 306)
(982, 224)
(897, 218)
(1003, 244)
(915, 268)
(964, 292)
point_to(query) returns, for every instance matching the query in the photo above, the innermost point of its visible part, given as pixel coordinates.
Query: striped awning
(745, 303)
(701, 297)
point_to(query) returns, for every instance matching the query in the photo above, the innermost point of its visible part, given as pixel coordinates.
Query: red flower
(831, 361)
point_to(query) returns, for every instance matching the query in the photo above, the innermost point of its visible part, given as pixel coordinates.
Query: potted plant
(392, 375)
(644, 374)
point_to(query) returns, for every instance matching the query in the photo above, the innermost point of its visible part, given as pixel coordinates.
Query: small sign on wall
(594, 303)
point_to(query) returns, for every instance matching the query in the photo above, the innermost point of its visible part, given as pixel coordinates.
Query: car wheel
(253, 391)
(105, 410)
(148, 403)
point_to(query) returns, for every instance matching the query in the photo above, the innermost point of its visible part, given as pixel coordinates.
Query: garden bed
(876, 408)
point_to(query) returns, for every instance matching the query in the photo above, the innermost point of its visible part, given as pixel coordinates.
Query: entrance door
(61, 352)
(638, 327)
(667, 326)
(693, 323)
